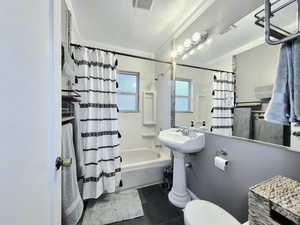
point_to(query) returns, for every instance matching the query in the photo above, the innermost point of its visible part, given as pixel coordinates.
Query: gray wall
(250, 163)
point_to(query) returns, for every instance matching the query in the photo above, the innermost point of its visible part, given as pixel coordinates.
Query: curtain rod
(151, 59)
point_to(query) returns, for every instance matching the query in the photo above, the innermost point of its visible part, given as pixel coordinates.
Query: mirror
(255, 65)
(256, 74)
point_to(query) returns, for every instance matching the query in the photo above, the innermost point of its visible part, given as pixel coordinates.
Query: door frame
(55, 119)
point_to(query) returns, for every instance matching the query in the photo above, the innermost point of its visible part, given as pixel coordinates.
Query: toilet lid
(199, 212)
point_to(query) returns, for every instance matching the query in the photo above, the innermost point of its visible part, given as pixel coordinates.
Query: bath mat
(113, 208)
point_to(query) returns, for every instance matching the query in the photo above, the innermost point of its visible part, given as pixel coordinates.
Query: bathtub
(143, 166)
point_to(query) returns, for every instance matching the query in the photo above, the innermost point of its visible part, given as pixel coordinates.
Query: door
(30, 112)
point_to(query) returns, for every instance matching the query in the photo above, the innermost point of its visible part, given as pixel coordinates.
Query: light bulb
(187, 43)
(196, 37)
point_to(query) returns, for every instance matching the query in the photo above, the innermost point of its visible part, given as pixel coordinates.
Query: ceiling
(117, 23)
(246, 35)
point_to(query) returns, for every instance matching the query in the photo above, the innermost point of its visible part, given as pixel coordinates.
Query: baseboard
(193, 196)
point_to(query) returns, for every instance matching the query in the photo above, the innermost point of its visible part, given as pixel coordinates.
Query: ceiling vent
(143, 4)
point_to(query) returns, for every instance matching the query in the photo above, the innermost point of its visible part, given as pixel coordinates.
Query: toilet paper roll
(221, 163)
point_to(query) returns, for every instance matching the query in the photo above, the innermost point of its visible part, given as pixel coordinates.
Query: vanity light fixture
(189, 45)
(196, 37)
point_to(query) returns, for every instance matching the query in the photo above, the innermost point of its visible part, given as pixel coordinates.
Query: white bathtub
(143, 166)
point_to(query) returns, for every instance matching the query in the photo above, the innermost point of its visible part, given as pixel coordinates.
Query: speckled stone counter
(275, 202)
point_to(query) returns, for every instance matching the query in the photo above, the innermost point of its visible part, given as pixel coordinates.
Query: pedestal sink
(180, 145)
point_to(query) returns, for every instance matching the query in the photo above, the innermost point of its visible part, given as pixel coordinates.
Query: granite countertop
(283, 193)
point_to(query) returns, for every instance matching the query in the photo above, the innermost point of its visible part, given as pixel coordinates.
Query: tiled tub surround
(250, 164)
(275, 201)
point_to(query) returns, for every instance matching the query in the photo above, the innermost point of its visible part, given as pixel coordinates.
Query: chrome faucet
(184, 130)
(190, 131)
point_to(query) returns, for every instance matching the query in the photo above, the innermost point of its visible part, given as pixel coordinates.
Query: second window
(183, 90)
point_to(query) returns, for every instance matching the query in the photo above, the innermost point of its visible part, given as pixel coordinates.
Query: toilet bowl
(199, 212)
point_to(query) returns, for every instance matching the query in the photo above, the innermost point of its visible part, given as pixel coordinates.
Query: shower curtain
(222, 103)
(95, 80)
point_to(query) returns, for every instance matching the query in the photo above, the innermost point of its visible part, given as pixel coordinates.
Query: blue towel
(296, 68)
(284, 106)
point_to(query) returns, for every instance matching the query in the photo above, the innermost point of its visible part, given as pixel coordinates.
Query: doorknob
(66, 162)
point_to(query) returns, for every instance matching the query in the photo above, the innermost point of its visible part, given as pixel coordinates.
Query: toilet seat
(199, 212)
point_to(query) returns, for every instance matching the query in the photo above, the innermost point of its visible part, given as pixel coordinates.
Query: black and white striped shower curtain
(222, 103)
(95, 80)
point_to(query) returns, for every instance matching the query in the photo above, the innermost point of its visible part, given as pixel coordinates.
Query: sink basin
(176, 141)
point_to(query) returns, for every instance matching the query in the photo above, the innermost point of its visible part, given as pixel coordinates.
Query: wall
(75, 35)
(255, 67)
(250, 163)
(29, 140)
(131, 124)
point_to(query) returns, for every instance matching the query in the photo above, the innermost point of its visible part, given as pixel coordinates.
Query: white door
(30, 112)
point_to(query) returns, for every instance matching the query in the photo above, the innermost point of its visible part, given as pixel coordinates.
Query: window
(128, 91)
(183, 95)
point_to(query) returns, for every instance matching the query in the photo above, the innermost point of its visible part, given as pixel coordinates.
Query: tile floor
(157, 209)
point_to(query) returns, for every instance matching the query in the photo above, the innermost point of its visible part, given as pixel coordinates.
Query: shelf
(67, 119)
(149, 123)
(70, 98)
(148, 135)
(149, 108)
(274, 34)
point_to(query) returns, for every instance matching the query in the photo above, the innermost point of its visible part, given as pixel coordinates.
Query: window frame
(137, 94)
(189, 97)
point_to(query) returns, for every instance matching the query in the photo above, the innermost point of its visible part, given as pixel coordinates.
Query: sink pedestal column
(179, 196)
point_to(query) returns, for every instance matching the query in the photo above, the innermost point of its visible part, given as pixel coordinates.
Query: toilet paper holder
(220, 160)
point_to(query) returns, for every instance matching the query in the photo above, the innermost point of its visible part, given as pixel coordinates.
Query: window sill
(184, 112)
(129, 111)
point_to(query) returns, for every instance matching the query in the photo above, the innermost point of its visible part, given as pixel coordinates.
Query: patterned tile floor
(157, 209)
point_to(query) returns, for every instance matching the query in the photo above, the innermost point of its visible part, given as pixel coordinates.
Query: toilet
(199, 212)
